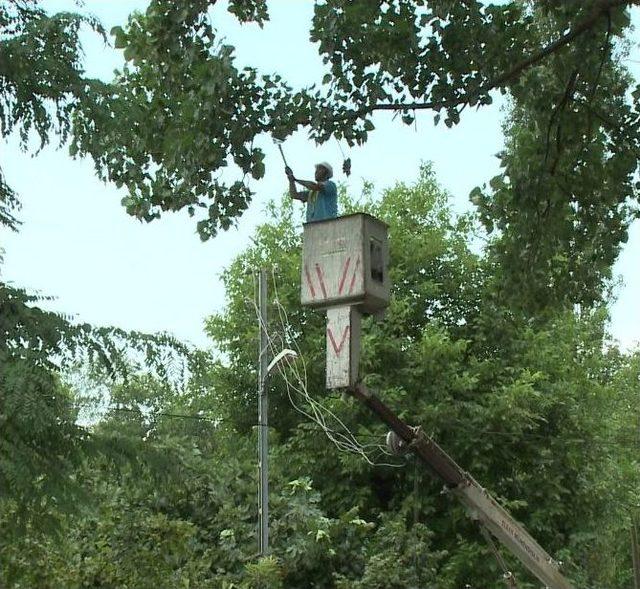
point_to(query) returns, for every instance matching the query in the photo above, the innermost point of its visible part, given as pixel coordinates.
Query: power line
(621, 442)
(215, 420)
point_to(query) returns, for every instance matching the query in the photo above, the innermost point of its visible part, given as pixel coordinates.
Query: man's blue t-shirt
(322, 204)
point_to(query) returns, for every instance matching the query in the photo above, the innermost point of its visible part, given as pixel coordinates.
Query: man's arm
(293, 192)
(317, 186)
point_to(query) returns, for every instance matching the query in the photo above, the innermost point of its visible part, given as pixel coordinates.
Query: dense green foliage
(519, 403)
(562, 204)
(569, 183)
(485, 351)
(41, 79)
(541, 413)
(41, 447)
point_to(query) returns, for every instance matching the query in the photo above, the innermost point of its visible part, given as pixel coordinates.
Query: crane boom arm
(512, 535)
(480, 505)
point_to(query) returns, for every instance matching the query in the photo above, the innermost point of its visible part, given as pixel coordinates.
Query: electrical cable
(507, 575)
(345, 440)
(351, 440)
(296, 386)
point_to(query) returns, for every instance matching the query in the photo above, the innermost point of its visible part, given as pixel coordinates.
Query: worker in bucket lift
(321, 195)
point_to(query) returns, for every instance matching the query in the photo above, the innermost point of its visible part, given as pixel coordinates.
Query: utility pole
(635, 550)
(263, 423)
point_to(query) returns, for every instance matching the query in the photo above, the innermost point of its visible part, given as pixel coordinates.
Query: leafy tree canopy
(520, 404)
(41, 85)
(42, 443)
(562, 203)
(41, 79)
(561, 206)
(516, 401)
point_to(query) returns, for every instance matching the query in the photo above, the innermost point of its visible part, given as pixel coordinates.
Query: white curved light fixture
(285, 356)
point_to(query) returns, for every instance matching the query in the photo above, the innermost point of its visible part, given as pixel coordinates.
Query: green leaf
(120, 37)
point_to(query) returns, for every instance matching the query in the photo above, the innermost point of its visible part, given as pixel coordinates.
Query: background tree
(563, 202)
(518, 385)
(561, 208)
(41, 80)
(41, 85)
(42, 444)
(568, 190)
(542, 413)
(519, 403)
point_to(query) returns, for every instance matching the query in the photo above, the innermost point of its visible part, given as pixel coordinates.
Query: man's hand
(292, 185)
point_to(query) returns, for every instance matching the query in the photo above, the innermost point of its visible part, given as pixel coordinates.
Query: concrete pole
(263, 423)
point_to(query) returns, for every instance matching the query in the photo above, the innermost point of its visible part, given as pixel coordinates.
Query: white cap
(326, 166)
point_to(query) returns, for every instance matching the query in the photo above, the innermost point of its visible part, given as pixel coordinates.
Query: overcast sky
(78, 244)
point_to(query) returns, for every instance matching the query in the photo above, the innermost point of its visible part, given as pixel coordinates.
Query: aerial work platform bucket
(345, 261)
(345, 269)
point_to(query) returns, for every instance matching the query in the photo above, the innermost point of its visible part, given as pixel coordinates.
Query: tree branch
(601, 8)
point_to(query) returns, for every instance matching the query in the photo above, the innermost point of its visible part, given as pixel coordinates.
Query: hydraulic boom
(480, 505)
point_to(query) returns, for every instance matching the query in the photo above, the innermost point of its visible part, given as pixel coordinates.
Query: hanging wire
(619, 442)
(286, 328)
(296, 379)
(345, 440)
(508, 577)
(295, 376)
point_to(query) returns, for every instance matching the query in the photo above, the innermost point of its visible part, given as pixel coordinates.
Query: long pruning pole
(279, 144)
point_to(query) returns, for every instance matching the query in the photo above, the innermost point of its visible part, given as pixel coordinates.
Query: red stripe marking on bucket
(320, 278)
(338, 348)
(309, 282)
(355, 275)
(344, 274)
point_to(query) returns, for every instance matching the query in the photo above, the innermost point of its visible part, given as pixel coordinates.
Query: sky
(78, 245)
